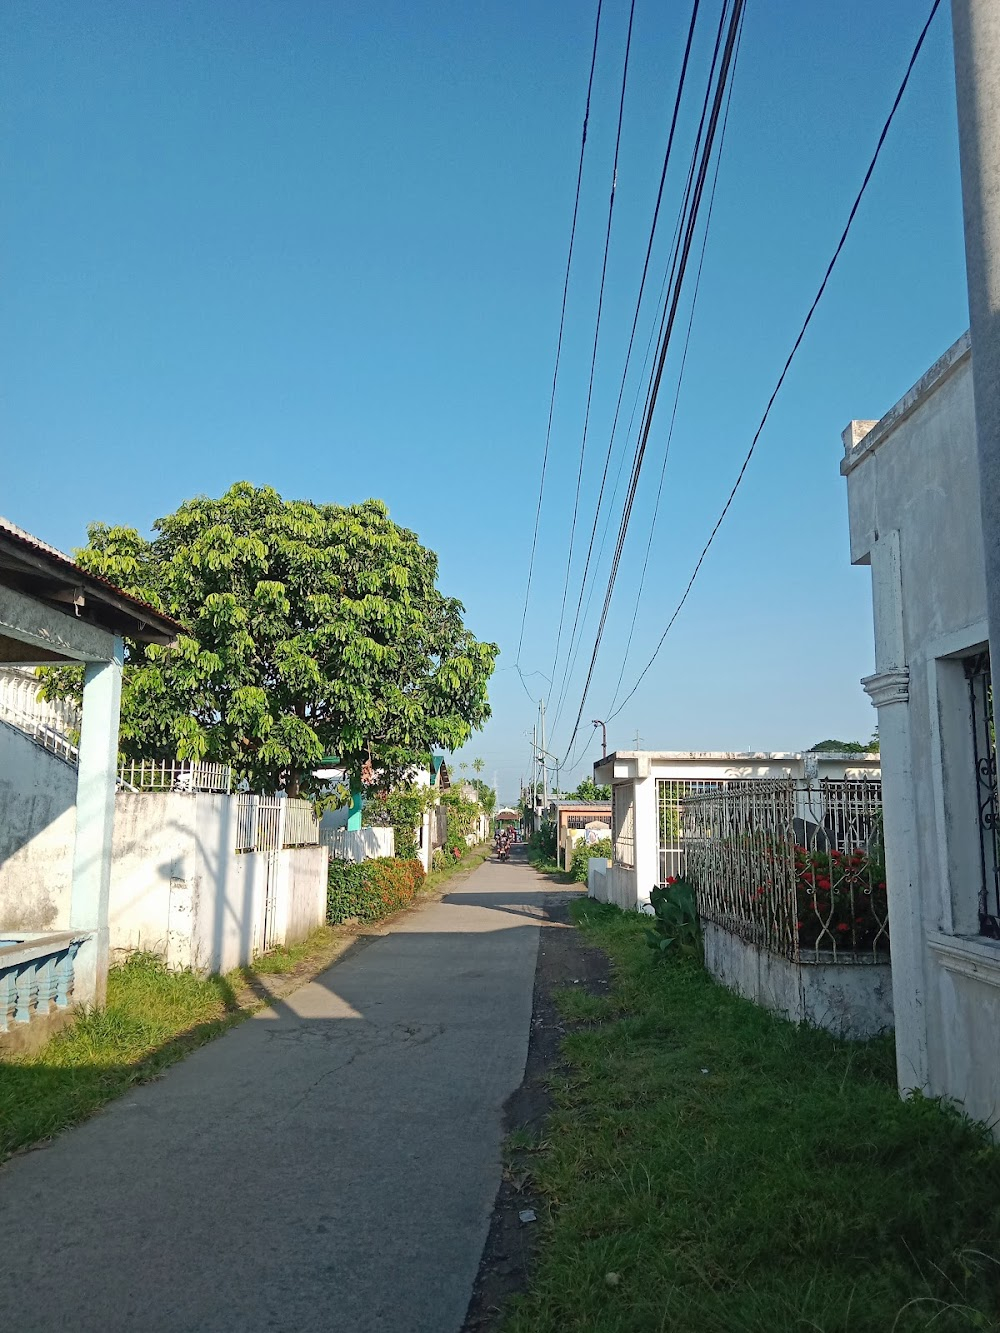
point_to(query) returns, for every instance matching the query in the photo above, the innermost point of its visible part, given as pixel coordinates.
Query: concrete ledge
(852, 1000)
(968, 955)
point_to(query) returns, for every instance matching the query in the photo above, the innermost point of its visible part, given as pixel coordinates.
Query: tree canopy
(312, 630)
(588, 790)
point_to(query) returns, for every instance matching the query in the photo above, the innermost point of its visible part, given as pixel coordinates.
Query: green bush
(543, 842)
(582, 854)
(370, 890)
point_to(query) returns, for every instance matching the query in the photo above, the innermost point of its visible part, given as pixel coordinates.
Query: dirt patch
(564, 959)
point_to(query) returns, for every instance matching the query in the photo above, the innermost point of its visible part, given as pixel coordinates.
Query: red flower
(843, 927)
(822, 882)
(671, 879)
(798, 925)
(881, 884)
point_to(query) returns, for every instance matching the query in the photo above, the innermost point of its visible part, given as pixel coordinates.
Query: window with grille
(977, 674)
(670, 792)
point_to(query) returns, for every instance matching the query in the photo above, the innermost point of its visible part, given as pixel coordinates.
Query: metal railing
(301, 826)
(174, 775)
(795, 868)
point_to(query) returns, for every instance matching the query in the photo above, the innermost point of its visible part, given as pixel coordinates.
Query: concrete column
(889, 691)
(95, 817)
(976, 27)
(647, 838)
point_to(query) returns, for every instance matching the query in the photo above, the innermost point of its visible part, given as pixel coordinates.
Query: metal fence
(363, 844)
(670, 795)
(795, 868)
(174, 775)
(268, 823)
(301, 826)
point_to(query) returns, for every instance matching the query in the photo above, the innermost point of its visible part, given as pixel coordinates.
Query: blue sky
(321, 246)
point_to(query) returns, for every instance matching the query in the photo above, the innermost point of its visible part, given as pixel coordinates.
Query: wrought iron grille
(670, 794)
(977, 673)
(623, 823)
(793, 868)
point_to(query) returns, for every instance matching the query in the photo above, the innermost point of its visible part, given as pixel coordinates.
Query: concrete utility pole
(545, 769)
(976, 26)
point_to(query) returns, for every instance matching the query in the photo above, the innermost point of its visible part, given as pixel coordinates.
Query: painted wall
(37, 824)
(178, 888)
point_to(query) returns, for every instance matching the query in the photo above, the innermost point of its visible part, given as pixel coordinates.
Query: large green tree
(312, 629)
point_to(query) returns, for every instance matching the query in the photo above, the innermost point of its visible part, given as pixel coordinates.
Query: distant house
(578, 821)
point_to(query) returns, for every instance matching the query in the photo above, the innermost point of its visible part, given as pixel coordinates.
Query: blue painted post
(27, 992)
(64, 976)
(354, 817)
(8, 979)
(46, 972)
(95, 817)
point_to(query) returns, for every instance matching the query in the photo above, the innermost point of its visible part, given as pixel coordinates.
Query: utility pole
(976, 28)
(638, 739)
(604, 736)
(545, 768)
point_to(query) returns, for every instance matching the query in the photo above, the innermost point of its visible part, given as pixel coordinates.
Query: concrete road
(330, 1164)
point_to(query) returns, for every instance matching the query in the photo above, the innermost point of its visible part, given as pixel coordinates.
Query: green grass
(474, 857)
(709, 1168)
(152, 1019)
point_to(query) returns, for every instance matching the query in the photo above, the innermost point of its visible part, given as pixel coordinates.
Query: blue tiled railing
(36, 974)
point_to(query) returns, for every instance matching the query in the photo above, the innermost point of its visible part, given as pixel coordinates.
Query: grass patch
(152, 1018)
(711, 1168)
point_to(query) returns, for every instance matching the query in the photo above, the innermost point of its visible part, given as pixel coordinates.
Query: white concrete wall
(178, 888)
(37, 827)
(850, 1000)
(305, 888)
(608, 883)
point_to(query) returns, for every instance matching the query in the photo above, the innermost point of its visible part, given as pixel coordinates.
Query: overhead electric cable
(628, 356)
(791, 355)
(677, 395)
(562, 325)
(722, 83)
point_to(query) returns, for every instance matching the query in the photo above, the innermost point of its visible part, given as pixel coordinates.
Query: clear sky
(321, 245)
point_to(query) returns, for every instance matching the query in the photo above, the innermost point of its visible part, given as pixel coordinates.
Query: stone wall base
(852, 1000)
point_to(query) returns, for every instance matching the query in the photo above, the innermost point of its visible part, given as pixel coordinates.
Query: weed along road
(329, 1164)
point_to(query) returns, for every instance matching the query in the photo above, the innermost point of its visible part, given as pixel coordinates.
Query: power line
(597, 333)
(791, 355)
(628, 356)
(677, 394)
(562, 324)
(722, 83)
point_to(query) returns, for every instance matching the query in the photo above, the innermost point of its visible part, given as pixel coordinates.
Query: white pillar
(95, 815)
(647, 837)
(888, 690)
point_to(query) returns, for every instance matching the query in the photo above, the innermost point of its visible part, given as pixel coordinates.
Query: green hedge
(369, 890)
(582, 854)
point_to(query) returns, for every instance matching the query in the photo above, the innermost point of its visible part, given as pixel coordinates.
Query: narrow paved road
(330, 1164)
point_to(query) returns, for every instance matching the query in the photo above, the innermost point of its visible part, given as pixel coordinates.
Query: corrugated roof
(142, 610)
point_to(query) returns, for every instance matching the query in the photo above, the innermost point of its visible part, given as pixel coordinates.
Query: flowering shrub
(840, 899)
(369, 890)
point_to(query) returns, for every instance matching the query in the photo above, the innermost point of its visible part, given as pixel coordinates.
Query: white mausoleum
(913, 498)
